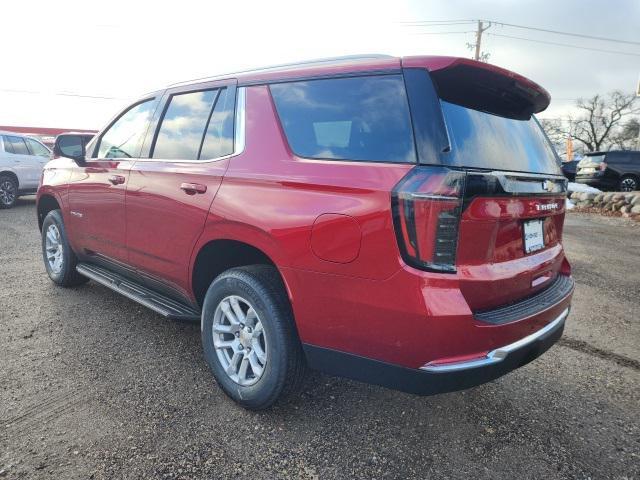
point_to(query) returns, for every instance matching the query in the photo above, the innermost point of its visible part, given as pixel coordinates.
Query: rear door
(171, 190)
(97, 188)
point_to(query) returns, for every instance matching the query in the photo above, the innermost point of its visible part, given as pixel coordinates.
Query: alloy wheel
(628, 185)
(53, 247)
(7, 192)
(239, 340)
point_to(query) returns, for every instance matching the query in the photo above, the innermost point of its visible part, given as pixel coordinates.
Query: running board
(157, 302)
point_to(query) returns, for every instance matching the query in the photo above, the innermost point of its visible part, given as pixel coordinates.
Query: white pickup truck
(21, 162)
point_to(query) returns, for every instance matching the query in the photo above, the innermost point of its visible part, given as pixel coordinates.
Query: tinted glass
(70, 145)
(18, 145)
(361, 118)
(37, 148)
(484, 140)
(219, 138)
(123, 138)
(183, 125)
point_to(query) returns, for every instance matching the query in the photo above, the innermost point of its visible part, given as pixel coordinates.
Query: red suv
(393, 220)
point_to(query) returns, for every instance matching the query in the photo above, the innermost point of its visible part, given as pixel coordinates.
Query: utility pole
(478, 53)
(638, 95)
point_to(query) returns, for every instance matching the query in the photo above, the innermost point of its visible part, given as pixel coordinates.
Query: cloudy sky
(120, 49)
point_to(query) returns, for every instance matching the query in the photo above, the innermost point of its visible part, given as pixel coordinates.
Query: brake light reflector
(426, 206)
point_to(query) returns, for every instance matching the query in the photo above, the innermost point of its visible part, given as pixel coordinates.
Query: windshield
(483, 140)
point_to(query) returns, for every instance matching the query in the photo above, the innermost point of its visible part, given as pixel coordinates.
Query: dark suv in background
(616, 170)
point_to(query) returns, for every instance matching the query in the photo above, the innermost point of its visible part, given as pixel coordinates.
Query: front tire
(8, 191)
(249, 337)
(59, 259)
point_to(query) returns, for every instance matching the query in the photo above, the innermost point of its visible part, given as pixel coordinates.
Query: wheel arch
(219, 254)
(635, 176)
(12, 174)
(46, 203)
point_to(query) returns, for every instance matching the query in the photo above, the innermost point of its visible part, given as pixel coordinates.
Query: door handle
(116, 179)
(192, 188)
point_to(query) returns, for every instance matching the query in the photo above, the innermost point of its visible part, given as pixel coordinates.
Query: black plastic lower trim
(559, 289)
(419, 381)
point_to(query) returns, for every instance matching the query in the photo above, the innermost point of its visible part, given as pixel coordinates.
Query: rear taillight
(426, 207)
(603, 166)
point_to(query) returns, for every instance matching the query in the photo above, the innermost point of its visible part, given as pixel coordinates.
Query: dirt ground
(93, 385)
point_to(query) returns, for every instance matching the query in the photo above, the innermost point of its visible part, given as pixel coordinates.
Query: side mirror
(70, 146)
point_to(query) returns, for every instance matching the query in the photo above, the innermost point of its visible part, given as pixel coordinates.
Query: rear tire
(8, 191)
(629, 183)
(59, 259)
(255, 331)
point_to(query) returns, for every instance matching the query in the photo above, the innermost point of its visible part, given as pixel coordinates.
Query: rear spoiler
(483, 87)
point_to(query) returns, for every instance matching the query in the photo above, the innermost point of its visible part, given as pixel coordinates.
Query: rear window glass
(484, 140)
(359, 118)
(591, 160)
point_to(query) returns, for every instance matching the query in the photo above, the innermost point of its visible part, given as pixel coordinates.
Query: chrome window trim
(499, 354)
(239, 134)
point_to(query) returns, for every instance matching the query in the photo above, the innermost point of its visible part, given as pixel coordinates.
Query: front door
(170, 192)
(97, 188)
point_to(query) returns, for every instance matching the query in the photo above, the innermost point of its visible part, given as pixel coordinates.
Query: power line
(618, 52)
(437, 22)
(434, 23)
(61, 94)
(570, 34)
(442, 33)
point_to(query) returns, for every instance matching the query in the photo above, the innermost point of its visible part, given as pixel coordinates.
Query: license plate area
(533, 235)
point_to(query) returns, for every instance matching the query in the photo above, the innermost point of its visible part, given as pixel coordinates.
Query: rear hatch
(490, 206)
(591, 164)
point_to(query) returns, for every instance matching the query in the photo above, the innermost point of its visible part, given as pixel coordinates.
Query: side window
(123, 139)
(218, 141)
(18, 145)
(37, 148)
(7, 144)
(183, 125)
(361, 118)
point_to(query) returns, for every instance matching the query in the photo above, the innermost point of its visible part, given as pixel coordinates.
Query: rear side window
(484, 140)
(218, 140)
(183, 125)
(37, 148)
(123, 138)
(7, 145)
(17, 145)
(196, 125)
(360, 118)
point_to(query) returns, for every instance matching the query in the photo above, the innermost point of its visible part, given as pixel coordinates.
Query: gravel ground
(94, 386)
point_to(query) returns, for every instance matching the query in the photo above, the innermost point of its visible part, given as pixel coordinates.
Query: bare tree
(604, 121)
(628, 136)
(556, 132)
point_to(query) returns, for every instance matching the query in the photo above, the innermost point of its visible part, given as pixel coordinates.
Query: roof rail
(305, 63)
